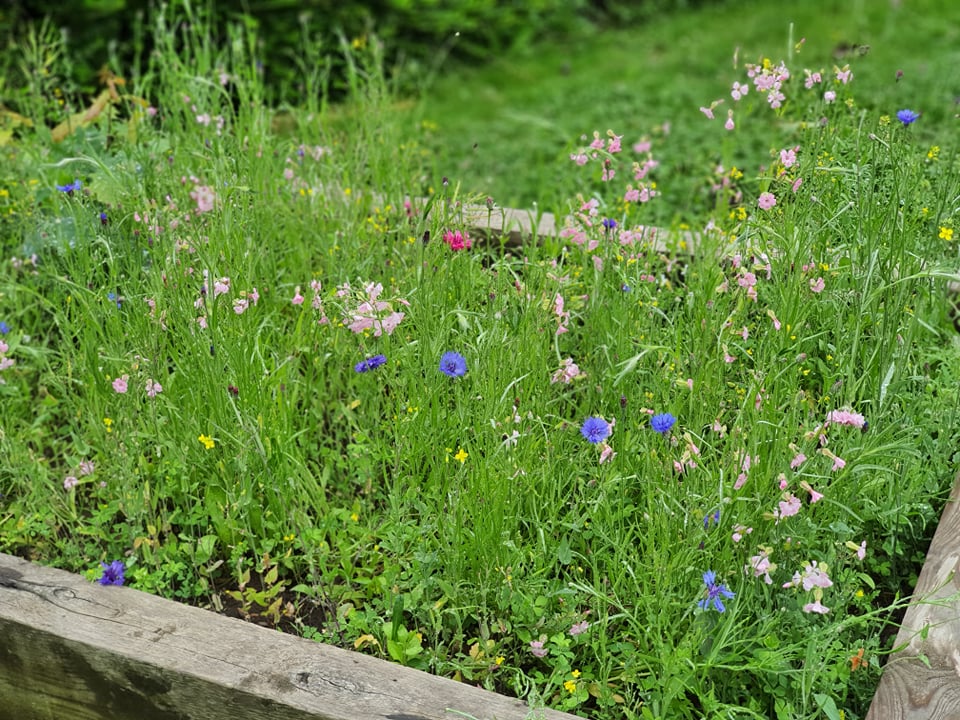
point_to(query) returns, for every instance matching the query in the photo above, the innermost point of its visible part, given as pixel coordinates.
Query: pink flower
(579, 628)
(579, 158)
(86, 467)
(69, 482)
(797, 461)
(829, 96)
(814, 495)
(729, 124)
(537, 648)
(606, 454)
(846, 417)
(761, 566)
(120, 384)
(240, 305)
(205, 197)
(739, 531)
(788, 157)
(788, 507)
(738, 91)
(457, 240)
(766, 201)
(816, 607)
(796, 184)
(567, 372)
(297, 297)
(153, 388)
(817, 286)
(221, 286)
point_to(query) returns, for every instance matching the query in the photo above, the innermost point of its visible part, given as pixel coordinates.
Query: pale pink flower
(829, 96)
(739, 531)
(738, 91)
(788, 507)
(537, 648)
(796, 184)
(297, 297)
(816, 607)
(205, 198)
(153, 388)
(120, 384)
(221, 286)
(579, 158)
(579, 628)
(761, 566)
(844, 74)
(86, 468)
(797, 461)
(70, 482)
(607, 454)
(766, 201)
(788, 157)
(240, 305)
(729, 124)
(567, 372)
(817, 285)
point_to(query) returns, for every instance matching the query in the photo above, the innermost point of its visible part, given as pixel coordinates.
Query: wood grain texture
(73, 650)
(909, 689)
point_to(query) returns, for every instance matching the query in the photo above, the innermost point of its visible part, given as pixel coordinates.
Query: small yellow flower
(946, 233)
(575, 673)
(461, 455)
(207, 441)
(108, 423)
(499, 660)
(571, 686)
(355, 517)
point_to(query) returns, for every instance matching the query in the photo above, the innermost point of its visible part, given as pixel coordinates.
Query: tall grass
(191, 328)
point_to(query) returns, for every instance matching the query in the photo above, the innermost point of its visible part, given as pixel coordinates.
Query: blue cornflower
(714, 592)
(371, 363)
(662, 423)
(907, 116)
(711, 518)
(609, 223)
(4, 328)
(69, 187)
(453, 364)
(112, 573)
(112, 297)
(595, 429)
(104, 219)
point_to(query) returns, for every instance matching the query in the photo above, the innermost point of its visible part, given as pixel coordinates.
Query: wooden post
(922, 680)
(73, 650)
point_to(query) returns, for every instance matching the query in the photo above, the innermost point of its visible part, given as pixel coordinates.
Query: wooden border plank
(73, 649)
(911, 689)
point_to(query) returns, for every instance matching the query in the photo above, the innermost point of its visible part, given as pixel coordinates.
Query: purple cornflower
(907, 117)
(662, 423)
(714, 592)
(371, 363)
(453, 364)
(595, 429)
(609, 223)
(69, 187)
(112, 573)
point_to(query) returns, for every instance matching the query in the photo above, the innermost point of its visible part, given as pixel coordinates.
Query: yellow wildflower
(946, 233)
(461, 455)
(207, 441)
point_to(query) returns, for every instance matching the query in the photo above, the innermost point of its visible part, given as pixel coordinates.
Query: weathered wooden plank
(909, 689)
(73, 650)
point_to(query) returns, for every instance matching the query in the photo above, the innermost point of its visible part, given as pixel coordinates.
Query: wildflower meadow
(626, 471)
